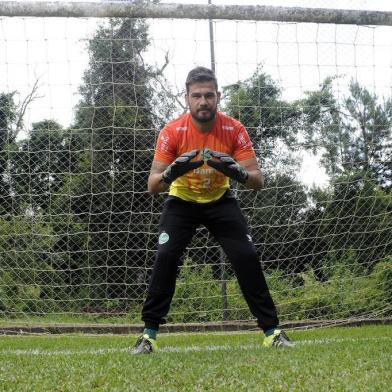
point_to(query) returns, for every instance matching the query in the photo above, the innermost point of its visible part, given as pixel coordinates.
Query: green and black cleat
(278, 339)
(145, 345)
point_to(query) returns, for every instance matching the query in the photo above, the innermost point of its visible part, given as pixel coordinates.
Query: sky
(297, 56)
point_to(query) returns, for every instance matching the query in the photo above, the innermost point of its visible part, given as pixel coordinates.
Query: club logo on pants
(163, 238)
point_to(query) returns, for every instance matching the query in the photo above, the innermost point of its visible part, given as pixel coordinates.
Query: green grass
(330, 359)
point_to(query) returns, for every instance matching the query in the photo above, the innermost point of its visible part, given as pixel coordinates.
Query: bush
(347, 290)
(197, 297)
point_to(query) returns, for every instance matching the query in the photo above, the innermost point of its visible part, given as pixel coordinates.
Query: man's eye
(206, 96)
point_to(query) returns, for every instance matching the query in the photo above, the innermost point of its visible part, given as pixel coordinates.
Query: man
(195, 157)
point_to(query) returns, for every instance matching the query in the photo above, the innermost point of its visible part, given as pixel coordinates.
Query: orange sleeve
(243, 148)
(165, 150)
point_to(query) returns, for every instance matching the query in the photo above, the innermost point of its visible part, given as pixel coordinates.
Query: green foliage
(26, 273)
(351, 135)
(116, 119)
(270, 121)
(321, 120)
(382, 274)
(370, 129)
(88, 182)
(357, 216)
(347, 290)
(277, 222)
(74, 229)
(40, 164)
(8, 120)
(197, 297)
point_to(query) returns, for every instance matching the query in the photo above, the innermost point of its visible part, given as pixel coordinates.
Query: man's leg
(228, 225)
(176, 228)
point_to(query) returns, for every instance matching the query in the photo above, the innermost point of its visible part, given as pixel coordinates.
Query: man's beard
(205, 119)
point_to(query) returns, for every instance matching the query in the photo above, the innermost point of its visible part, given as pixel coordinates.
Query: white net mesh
(81, 103)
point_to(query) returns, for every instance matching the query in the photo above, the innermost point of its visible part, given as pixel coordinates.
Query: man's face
(202, 99)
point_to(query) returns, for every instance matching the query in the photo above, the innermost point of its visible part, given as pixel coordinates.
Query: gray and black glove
(228, 166)
(180, 166)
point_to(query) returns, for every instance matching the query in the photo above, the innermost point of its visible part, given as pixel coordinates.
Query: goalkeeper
(195, 157)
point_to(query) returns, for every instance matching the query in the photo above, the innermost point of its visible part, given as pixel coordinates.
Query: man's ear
(186, 98)
(218, 95)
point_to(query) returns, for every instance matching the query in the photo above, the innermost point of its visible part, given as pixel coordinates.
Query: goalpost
(84, 90)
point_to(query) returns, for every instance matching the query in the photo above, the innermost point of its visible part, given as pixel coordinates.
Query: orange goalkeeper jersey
(203, 184)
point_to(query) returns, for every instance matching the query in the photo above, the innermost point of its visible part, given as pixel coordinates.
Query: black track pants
(227, 224)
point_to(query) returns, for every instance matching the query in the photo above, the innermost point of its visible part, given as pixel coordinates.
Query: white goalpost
(85, 88)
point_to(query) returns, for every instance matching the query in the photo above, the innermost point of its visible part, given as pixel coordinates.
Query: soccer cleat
(145, 345)
(278, 339)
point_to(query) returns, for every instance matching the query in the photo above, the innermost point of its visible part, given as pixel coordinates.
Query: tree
(26, 237)
(273, 125)
(8, 118)
(354, 135)
(114, 131)
(40, 164)
(271, 122)
(11, 124)
(369, 123)
(353, 215)
(277, 223)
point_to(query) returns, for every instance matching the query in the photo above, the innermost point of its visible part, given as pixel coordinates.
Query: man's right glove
(228, 166)
(180, 166)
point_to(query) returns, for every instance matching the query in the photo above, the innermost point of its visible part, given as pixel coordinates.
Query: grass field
(330, 359)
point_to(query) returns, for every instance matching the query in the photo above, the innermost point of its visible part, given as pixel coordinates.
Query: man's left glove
(228, 166)
(180, 166)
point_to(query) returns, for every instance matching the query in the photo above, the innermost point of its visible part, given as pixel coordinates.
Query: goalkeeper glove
(181, 166)
(228, 166)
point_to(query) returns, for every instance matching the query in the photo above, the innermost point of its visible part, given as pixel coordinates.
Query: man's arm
(255, 178)
(161, 174)
(155, 183)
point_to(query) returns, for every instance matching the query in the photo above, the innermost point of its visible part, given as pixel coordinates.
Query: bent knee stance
(161, 287)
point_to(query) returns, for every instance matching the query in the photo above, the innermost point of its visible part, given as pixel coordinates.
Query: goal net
(83, 94)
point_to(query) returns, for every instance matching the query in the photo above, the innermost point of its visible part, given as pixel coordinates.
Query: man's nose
(203, 100)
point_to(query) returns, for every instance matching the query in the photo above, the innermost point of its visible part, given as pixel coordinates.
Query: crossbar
(192, 11)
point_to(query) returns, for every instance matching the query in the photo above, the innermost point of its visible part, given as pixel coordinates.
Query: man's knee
(165, 269)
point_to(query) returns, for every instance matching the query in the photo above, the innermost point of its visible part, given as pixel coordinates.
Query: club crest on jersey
(163, 238)
(206, 154)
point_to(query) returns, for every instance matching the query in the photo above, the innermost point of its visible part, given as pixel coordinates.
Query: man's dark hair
(199, 75)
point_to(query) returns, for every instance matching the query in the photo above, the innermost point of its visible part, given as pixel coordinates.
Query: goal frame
(150, 10)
